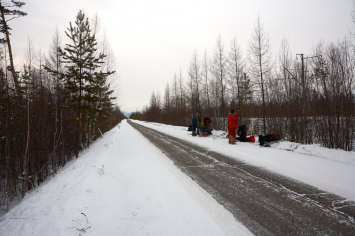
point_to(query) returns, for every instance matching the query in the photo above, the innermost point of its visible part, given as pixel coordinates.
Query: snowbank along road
(265, 202)
(121, 186)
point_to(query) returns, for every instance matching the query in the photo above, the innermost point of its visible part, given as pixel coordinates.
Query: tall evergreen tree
(245, 94)
(85, 86)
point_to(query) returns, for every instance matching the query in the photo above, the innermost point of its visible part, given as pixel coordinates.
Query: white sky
(154, 39)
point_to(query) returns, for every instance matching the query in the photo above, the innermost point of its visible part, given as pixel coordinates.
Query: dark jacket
(194, 119)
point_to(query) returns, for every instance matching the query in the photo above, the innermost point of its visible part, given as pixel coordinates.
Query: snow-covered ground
(121, 185)
(327, 169)
(124, 185)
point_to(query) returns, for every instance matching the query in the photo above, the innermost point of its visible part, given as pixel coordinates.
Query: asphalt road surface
(265, 202)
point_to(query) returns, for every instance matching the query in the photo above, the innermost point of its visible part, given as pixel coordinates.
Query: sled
(270, 143)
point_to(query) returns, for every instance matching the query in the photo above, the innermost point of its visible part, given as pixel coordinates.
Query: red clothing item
(232, 131)
(232, 125)
(232, 120)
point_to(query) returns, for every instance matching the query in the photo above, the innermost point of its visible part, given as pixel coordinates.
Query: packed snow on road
(124, 185)
(327, 169)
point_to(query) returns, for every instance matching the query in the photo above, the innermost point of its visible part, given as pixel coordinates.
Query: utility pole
(304, 97)
(302, 74)
(303, 78)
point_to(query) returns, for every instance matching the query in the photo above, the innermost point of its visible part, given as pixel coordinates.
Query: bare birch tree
(260, 61)
(183, 107)
(194, 82)
(219, 69)
(9, 9)
(235, 72)
(205, 74)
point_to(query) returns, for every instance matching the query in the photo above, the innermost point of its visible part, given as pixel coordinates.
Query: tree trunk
(17, 84)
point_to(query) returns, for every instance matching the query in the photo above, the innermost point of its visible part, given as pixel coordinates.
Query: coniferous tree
(245, 94)
(85, 86)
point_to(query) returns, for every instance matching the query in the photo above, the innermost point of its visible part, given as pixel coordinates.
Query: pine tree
(88, 95)
(245, 94)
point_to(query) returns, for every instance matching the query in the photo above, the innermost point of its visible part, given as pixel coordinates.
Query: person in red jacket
(232, 126)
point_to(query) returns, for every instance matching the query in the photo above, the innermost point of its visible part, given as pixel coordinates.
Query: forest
(305, 98)
(53, 107)
(59, 102)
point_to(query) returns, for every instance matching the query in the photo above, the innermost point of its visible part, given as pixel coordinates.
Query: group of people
(198, 129)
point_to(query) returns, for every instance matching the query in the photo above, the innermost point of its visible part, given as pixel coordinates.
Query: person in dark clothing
(194, 124)
(206, 128)
(242, 133)
(198, 123)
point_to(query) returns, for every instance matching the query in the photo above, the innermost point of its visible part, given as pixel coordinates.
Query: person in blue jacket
(194, 124)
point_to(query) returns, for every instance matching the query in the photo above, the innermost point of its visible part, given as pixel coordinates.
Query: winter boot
(231, 139)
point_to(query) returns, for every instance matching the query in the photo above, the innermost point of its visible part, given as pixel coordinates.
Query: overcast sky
(154, 39)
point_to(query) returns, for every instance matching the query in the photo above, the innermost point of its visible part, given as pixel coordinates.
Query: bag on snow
(268, 138)
(250, 139)
(242, 131)
(207, 120)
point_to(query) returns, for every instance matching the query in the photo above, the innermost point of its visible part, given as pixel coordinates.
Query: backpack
(250, 139)
(242, 131)
(268, 138)
(207, 120)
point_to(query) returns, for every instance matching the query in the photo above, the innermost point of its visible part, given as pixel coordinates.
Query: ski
(220, 135)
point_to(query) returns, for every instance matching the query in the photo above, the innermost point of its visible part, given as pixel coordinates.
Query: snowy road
(265, 202)
(121, 186)
(124, 185)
